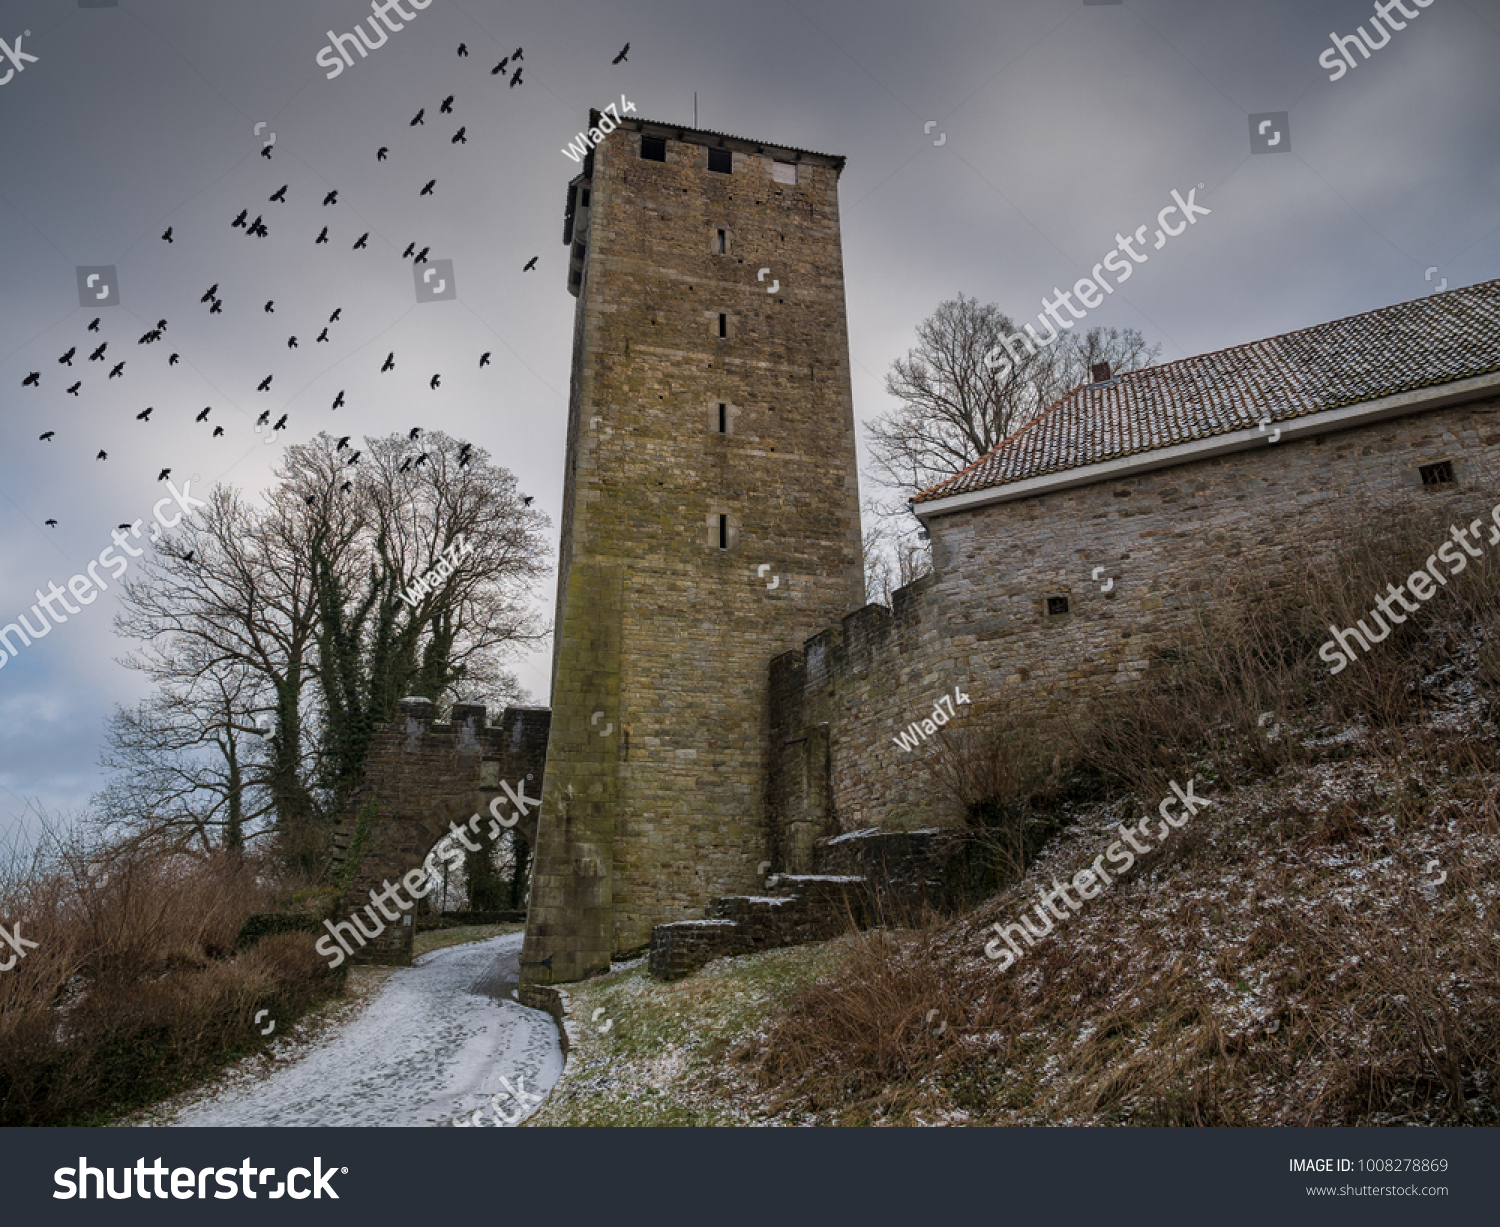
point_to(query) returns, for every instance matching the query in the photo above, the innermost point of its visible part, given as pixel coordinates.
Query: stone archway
(423, 780)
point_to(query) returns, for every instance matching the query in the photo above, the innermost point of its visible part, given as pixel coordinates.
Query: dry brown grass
(133, 988)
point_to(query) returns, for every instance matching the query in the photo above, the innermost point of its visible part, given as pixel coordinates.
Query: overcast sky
(994, 148)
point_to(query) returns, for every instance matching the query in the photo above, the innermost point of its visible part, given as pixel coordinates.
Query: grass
(429, 940)
(664, 1058)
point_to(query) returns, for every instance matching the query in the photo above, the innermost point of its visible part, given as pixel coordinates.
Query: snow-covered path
(432, 1046)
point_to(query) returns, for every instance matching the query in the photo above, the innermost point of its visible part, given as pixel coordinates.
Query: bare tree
(190, 770)
(955, 407)
(311, 602)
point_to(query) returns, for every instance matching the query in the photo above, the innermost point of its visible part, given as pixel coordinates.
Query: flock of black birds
(259, 229)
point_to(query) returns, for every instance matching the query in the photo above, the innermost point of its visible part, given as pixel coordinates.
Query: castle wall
(1168, 539)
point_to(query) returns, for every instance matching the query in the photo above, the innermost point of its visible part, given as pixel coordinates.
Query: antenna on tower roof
(695, 108)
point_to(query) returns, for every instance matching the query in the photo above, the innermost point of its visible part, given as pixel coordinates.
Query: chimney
(1100, 371)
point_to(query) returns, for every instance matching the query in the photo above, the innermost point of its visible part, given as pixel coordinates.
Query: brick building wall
(654, 798)
(1167, 538)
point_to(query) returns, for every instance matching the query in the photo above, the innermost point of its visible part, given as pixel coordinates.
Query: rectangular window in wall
(654, 148)
(723, 419)
(723, 532)
(723, 325)
(721, 245)
(721, 160)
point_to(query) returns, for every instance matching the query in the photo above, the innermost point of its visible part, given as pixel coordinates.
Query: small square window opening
(721, 160)
(1439, 474)
(654, 148)
(1056, 605)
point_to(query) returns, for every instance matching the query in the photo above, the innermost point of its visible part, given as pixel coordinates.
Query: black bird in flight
(240, 220)
(447, 107)
(390, 362)
(164, 474)
(46, 438)
(151, 338)
(291, 342)
(266, 152)
(218, 430)
(271, 307)
(67, 358)
(418, 119)
(279, 196)
(311, 499)
(334, 318)
(343, 443)
(347, 486)
(527, 500)
(94, 327)
(73, 391)
(422, 256)
(172, 361)
(210, 292)
(338, 401)
(33, 380)
(188, 557)
(217, 308)
(103, 455)
(323, 237)
(280, 423)
(436, 379)
(323, 336)
(263, 418)
(500, 67)
(420, 459)
(161, 325)
(405, 464)
(265, 384)
(203, 417)
(259, 230)
(381, 152)
(413, 432)
(53, 524)
(168, 234)
(459, 138)
(463, 50)
(354, 459)
(619, 58)
(362, 240)
(516, 55)
(410, 248)
(530, 264)
(118, 370)
(516, 79)
(331, 198)
(484, 358)
(144, 415)
(98, 354)
(427, 191)
(464, 460)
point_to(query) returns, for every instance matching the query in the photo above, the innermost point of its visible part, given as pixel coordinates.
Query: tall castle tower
(710, 521)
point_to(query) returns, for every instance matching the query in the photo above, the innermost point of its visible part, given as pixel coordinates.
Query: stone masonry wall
(421, 776)
(1169, 539)
(645, 822)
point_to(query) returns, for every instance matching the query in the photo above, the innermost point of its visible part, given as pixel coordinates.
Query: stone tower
(710, 521)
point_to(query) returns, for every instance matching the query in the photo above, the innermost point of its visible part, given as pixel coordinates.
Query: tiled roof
(1419, 344)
